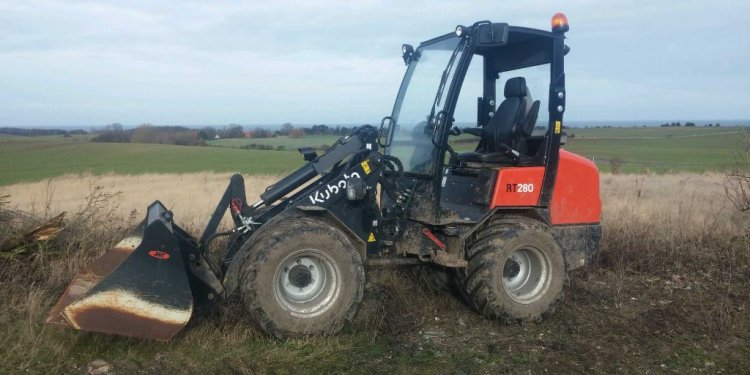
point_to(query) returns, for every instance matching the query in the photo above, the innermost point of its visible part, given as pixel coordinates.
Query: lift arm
(363, 138)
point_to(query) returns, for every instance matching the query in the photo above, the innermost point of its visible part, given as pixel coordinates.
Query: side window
(466, 106)
(537, 82)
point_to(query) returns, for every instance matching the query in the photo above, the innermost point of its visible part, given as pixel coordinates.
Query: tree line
(177, 135)
(289, 130)
(146, 133)
(181, 135)
(687, 124)
(33, 132)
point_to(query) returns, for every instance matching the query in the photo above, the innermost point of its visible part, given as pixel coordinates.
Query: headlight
(460, 31)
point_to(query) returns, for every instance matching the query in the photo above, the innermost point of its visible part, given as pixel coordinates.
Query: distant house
(248, 134)
(217, 137)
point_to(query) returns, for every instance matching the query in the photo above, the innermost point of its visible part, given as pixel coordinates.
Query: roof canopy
(523, 47)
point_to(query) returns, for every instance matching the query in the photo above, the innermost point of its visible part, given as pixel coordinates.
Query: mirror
(492, 34)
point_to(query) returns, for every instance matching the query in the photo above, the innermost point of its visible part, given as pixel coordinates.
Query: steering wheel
(392, 166)
(393, 174)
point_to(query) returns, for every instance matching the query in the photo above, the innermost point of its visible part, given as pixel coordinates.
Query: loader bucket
(140, 288)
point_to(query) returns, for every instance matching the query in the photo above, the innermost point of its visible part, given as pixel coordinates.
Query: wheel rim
(307, 283)
(526, 275)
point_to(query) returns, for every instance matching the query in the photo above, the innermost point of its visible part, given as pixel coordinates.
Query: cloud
(186, 62)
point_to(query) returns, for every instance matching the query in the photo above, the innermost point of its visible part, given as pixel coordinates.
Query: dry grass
(676, 240)
(669, 291)
(192, 197)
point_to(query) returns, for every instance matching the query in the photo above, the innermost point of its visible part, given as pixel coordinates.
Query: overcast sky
(80, 63)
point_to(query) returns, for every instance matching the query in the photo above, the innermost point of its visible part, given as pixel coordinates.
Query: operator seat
(509, 122)
(522, 133)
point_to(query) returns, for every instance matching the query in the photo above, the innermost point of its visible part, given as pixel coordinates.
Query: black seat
(522, 133)
(506, 127)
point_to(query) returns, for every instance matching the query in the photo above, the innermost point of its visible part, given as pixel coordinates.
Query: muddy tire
(434, 278)
(302, 277)
(516, 270)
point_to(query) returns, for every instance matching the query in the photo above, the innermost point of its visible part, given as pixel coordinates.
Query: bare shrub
(5, 218)
(4, 213)
(615, 165)
(297, 133)
(737, 180)
(737, 189)
(96, 225)
(34, 281)
(12, 222)
(93, 229)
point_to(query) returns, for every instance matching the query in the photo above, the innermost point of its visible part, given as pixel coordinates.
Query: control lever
(511, 153)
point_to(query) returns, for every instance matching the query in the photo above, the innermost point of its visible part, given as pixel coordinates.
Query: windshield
(419, 100)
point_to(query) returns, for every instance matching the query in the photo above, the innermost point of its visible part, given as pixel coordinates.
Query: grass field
(31, 159)
(662, 149)
(668, 293)
(659, 150)
(655, 132)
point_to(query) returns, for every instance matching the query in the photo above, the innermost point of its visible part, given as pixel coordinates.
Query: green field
(660, 150)
(30, 159)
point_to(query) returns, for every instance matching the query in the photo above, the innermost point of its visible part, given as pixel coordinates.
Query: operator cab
(466, 110)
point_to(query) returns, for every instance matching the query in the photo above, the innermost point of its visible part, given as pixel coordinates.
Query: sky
(91, 63)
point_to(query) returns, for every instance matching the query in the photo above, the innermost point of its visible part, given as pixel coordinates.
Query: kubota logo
(322, 195)
(159, 254)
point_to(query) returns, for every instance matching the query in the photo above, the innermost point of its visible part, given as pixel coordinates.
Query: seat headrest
(515, 87)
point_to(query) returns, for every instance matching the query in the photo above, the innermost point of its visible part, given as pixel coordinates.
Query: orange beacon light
(560, 23)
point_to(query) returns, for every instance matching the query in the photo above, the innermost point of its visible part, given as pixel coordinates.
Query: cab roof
(524, 47)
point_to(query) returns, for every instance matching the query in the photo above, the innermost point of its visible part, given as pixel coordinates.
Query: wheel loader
(506, 219)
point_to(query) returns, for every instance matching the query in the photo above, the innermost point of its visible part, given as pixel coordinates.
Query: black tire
(434, 278)
(301, 277)
(518, 289)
